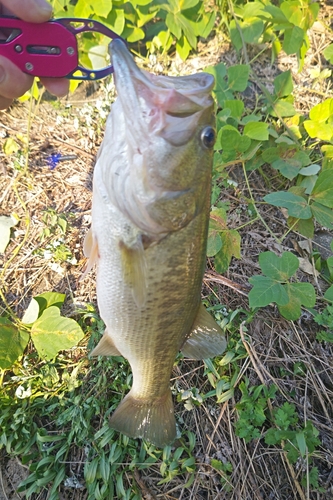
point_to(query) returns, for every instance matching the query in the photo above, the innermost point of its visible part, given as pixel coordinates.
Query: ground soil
(75, 127)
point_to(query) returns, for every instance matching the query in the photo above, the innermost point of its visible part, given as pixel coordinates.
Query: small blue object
(54, 159)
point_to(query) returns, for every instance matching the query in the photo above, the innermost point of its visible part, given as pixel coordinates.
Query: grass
(254, 423)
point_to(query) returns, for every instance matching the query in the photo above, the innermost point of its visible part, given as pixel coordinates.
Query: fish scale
(150, 215)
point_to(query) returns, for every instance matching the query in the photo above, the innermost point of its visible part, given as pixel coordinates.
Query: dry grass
(273, 345)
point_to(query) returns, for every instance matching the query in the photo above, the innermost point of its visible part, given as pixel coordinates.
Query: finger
(5, 103)
(57, 86)
(33, 11)
(13, 83)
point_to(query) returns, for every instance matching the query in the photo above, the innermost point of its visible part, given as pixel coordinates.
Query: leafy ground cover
(255, 423)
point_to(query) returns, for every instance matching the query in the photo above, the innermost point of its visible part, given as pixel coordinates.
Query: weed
(274, 286)
(252, 409)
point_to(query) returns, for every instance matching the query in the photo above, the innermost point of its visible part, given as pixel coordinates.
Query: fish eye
(208, 136)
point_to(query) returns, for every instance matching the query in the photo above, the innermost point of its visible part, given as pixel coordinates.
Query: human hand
(13, 82)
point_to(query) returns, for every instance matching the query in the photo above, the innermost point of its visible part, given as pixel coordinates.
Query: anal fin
(148, 419)
(105, 347)
(206, 339)
(134, 269)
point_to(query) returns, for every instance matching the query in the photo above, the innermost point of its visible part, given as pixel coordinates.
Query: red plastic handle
(45, 50)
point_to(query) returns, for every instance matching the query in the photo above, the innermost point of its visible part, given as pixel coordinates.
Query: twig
(269, 404)
(147, 494)
(217, 278)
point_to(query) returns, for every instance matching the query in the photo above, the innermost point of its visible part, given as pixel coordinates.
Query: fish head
(162, 132)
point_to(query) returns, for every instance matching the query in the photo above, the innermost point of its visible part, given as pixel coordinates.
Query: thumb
(33, 11)
(13, 83)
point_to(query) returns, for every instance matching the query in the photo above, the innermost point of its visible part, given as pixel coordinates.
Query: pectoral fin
(90, 250)
(105, 347)
(206, 339)
(134, 268)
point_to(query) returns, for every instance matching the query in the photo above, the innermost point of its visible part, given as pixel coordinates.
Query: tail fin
(148, 419)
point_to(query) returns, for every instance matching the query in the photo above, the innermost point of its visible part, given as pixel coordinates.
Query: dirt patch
(75, 127)
(12, 473)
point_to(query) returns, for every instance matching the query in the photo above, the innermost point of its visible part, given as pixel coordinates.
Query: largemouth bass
(150, 213)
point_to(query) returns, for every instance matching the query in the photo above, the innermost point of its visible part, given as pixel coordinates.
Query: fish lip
(122, 61)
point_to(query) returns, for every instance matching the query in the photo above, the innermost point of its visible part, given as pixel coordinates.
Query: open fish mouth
(168, 105)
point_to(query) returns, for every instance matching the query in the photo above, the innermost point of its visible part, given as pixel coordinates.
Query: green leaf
(302, 226)
(299, 294)
(230, 247)
(188, 29)
(83, 9)
(236, 108)
(310, 170)
(283, 84)
(283, 108)
(252, 30)
(301, 443)
(10, 146)
(219, 71)
(288, 168)
(296, 205)
(235, 35)
(292, 310)
(278, 268)
(293, 39)
(116, 20)
(171, 22)
(323, 189)
(322, 111)
(214, 243)
(208, 22)
(134, 34)
(90, 470)
(328, 53)
(329, 293)
(52, 333)
(102, 7)
(13, 342)
(323, 215)
(183, 47)
(218, 219)
(187, 4)
(305, 292)
(265, 291)
(276, 13)
(253, 9)
(221, 87)
(230, 139)
(48, 299)
(6, 223)
(238, 76)
(287, 159)
(257, 131)
(318, 130)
